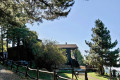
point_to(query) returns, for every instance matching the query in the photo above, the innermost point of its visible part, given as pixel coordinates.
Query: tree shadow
(8, 76)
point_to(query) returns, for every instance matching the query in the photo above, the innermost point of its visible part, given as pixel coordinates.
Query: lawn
(98, 77)
(91, 76)
(45, 76)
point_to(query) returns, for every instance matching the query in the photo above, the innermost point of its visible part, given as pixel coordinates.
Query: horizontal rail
(32, 69)
(64, 78)
(46, 72)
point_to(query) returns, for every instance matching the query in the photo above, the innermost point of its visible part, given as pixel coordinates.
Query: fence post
(17, 68)
(118, 76)
(26, 73)
(55, 77)
(7, 62)
(86, 78)
(72, 72)
(37, 73)
(11, 64)
(3, 61)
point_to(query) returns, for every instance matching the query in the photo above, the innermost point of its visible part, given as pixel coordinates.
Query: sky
(76, 27)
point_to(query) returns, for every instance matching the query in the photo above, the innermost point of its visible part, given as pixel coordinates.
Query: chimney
(66, 43)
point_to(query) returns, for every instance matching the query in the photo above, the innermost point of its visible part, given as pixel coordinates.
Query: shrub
(48, 55)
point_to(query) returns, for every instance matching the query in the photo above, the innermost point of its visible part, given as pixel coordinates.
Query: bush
(48, 55)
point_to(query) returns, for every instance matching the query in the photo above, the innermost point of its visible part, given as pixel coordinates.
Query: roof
(65, 46)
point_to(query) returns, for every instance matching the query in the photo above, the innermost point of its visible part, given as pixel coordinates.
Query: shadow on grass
(8, 76)
(64, 75)
(104, 76)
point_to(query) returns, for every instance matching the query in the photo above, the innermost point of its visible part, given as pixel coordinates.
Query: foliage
(22, 11)
(78, 56)
(111, 58)
(92, 59)
(21, 34)
(101, 44)
(48, 55)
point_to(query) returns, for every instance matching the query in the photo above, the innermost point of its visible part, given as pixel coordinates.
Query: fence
(56, 76)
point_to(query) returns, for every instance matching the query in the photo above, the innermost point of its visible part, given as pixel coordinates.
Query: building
(69, 49)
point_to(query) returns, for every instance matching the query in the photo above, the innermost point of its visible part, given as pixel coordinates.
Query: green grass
(67, 74)
(45, 76)
(99, 77)
(34, 74)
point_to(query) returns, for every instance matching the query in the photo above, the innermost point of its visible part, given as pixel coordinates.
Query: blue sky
(76, 27)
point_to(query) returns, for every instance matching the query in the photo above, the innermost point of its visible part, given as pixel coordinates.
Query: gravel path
(7, 74)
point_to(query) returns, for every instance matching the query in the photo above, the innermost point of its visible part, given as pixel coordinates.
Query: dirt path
(7, 74)
(92, 78)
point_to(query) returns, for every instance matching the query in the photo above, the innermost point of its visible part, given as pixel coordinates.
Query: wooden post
(7, 62)
(86, 78)
(17, 68)
(11, 64)
(72, 72)
(37, 73)
(3, 61)
(55, 75)
(26, 73)
(118, 76)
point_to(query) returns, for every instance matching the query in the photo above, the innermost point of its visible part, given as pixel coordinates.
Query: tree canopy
(22, 11)
(101, 44)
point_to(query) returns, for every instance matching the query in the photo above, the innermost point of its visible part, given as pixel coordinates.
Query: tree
(111, 59)
(92, 60)
(101, 43)
(47, 55)
(23, 11)
(78, 56)
(22, 34)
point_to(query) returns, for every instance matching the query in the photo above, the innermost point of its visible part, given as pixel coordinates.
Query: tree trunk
(18, 47)
(18, 42)
(13, 43)
(110, 72)
(2, 39)
(101, 70)
(7, 40)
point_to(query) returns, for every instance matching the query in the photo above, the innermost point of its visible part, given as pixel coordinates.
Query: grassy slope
(99, 77)
(91, 75)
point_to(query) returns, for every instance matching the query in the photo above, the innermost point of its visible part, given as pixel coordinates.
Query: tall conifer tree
(101, 44)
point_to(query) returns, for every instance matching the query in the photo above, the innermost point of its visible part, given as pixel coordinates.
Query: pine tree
(23, 11)
(101, 44)
(111, 59)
